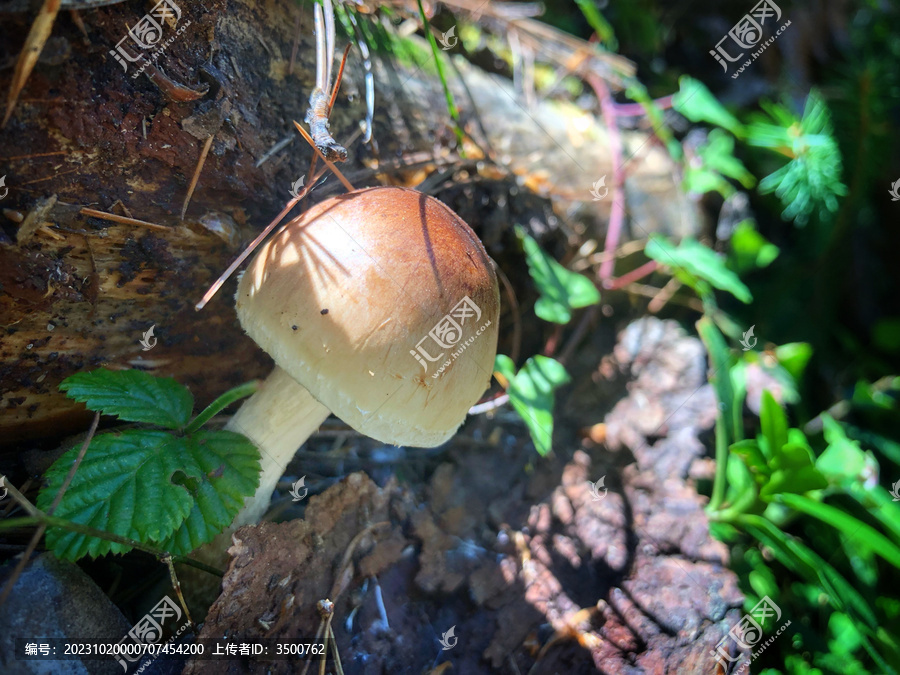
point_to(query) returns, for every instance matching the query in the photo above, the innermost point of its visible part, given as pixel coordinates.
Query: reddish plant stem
(636, 109)
(617, 214)
(633, 275)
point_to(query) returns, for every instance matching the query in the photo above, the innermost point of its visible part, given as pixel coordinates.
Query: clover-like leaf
(132, 395)
(531, 392)
(561, 290)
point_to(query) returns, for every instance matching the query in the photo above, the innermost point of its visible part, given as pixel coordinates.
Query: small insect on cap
(384, 305)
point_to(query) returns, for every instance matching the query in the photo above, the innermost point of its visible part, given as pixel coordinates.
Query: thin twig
(493, 403)
(53, 521)
(30, 508)
(39, 532)
(187, 200)
(93, 213)
(284, 142)
(330, 165)
(177, 586)
(514, 308)
(586, 320)
(296, 42)
(634, 275)
(75, 465)
(670, 289)
(28, 57)
(34, 156)
(252, 246)
(340, 77)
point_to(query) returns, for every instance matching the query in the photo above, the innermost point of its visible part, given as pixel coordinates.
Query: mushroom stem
(278, 418)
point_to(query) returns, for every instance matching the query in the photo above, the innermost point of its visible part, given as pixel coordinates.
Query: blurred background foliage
(794, 165)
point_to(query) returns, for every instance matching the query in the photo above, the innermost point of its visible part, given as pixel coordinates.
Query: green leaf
(748, 450)
(132, 395)
(793, 456)
(700, 180)
(698, 104)
(601, 26)
(846, 637)
(720, 359)
(531, 392)
(843, 462)
(717, 154)
(749, 249)
(763, 581)
(699, 262)
(773, 423)
(793, 357)
(783, 481)
(228, 464)
(858, 531)
(561, 290)
(138, 484)
(811, 181)
(802, 560)
(121, 486)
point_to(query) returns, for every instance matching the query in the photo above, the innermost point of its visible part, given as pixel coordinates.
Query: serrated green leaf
(152, 486)
(132, 395)
(561, 290)
(697, 103)
(531, 392)
(229, 466)
(699, 262)
(121, 486)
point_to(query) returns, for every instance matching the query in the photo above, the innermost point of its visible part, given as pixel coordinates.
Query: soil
(537, 564)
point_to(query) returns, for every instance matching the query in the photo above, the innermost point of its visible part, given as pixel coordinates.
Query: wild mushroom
(380, 306)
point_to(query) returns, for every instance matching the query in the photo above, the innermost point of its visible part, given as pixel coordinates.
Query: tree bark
(78, 292)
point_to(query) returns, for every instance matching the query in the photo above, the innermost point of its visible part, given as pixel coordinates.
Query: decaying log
(77, 292)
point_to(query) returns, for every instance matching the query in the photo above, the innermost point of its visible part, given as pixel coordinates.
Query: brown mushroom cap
(355, 297)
